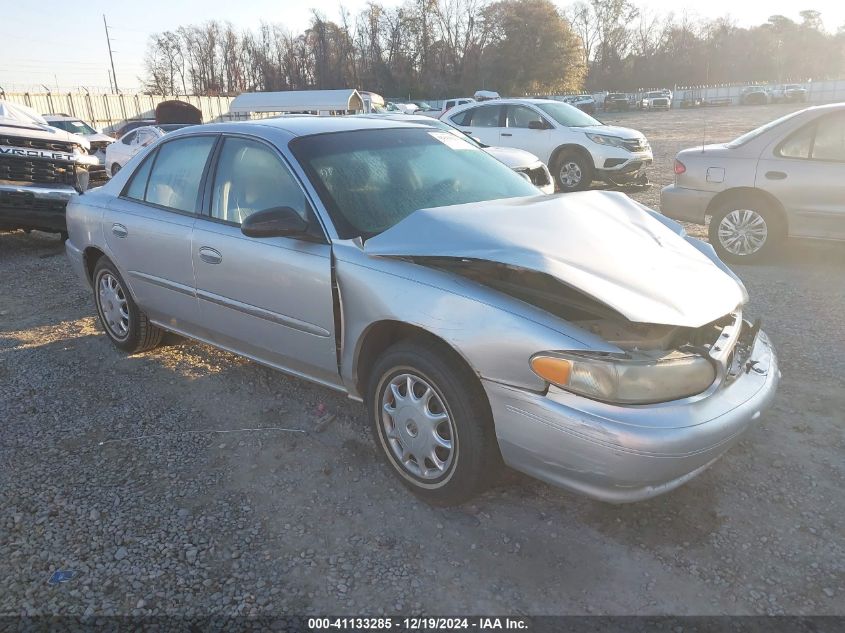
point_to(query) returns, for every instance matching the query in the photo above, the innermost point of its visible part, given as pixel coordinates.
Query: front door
(518, 131)
(266, 298)
(148, 230)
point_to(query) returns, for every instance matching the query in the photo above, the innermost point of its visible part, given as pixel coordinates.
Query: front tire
(125, 324)
(432, 422)
(745, 230)
(573, 171)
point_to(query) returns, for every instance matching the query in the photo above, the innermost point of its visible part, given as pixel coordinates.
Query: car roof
(140, 128)
(305, 125)
(61, 117)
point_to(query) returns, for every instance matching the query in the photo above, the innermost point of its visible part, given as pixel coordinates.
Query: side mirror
(274, 222)
(536, 125)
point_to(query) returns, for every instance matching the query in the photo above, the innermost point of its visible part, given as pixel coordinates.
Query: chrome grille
(25, 200)
(33, 143)
(38, 171)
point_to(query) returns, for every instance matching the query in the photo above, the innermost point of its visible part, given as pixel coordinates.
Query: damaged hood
(601, 243)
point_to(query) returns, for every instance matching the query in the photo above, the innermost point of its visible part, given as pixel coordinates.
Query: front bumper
(621, 166)
(77, 262)
(624, 454)
(688, 205)
(32, 206)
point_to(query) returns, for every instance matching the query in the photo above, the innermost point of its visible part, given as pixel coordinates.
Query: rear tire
(125, 324)
(572, 171)
(432, 423)
(745, 230)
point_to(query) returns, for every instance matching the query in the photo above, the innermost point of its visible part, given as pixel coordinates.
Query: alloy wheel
(417, 427)
(570, 174)
(743, 232)
(114, 307)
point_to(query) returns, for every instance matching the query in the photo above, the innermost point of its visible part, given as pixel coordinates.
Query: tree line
(440, 48)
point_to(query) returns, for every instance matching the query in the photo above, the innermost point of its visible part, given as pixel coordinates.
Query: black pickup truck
(41, 167)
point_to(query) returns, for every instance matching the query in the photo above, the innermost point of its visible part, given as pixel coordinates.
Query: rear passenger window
(799, 144)
(138, 185)
(463, 118)
(486, 116)
(177, 171)
(830, 139)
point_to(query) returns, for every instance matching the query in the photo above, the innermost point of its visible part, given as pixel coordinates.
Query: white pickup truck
(41, 167)
(447, 105)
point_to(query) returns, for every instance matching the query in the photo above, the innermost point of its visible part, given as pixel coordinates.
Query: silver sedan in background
(786, 178)
(582, 339)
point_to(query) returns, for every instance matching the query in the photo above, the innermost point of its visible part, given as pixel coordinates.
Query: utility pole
(111, 57)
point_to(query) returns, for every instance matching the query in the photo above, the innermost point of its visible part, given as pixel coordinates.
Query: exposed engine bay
(639, 340)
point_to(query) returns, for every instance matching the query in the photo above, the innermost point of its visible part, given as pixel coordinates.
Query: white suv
(577, 148)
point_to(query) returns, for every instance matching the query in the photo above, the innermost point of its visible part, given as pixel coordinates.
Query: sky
(62, 44)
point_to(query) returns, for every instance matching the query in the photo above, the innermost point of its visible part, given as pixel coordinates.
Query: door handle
(119, 230)
(776, 175)
(506, 134)
(210, 255)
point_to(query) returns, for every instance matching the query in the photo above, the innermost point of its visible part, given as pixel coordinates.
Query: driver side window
(520, 117)
(250, 177)
(129, 138)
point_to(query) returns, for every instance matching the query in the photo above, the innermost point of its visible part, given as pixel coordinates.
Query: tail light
(680, 168)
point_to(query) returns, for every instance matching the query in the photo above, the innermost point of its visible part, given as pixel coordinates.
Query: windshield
(568, 115)
(370, 180)
(74, 127)
(748, 136)
(653, 95)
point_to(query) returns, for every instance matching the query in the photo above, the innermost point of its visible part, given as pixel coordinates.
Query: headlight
(602, 139)
(624, 380)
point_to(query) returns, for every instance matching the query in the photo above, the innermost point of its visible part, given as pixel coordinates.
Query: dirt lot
(99, 475)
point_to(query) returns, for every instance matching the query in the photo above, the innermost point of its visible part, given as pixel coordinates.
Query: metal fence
(817, 92)
(830, 91)
(109, 110)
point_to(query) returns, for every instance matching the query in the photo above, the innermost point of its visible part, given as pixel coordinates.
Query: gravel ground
(117, 468)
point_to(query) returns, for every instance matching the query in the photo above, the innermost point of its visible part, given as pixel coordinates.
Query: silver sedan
(582, 339)
(786, 178)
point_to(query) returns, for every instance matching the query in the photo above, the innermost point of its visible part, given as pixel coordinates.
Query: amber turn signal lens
(554, 370)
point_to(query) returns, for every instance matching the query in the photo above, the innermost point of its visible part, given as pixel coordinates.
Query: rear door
(517, 132)
(483, 122)
(806, 172)
(267, 298)
(144, 137)
(148, 229)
